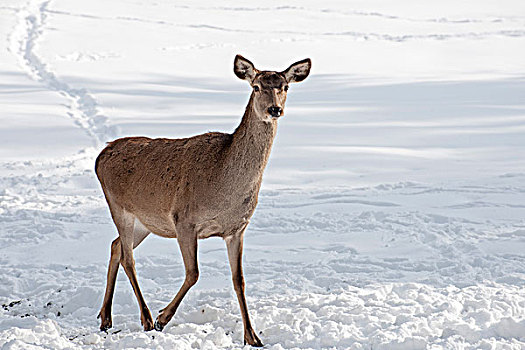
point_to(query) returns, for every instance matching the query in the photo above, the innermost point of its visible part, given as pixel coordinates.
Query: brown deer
(193, 188)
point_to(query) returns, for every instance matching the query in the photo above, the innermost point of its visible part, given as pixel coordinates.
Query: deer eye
(286, 88)
(256, 88)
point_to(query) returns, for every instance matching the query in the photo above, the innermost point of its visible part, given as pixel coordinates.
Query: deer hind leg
(139, 234)
(105, 311)
(188, 247)
(130, 236)
(234, 245)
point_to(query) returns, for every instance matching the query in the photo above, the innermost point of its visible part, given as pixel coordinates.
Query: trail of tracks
(83, 107)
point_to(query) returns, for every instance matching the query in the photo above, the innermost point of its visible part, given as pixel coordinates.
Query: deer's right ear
(244, 69)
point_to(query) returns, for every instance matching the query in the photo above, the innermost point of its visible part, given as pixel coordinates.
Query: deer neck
(251, 145)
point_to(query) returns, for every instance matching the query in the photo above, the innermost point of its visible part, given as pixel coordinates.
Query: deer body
(192, 188)
(217, 191)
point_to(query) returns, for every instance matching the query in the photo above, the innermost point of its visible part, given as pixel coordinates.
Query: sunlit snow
(392, 211)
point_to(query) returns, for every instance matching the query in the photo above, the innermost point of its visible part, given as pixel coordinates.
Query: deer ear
(298, 71)
(244, 69)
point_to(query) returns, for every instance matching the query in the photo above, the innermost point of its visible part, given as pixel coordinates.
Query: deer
(193, 188)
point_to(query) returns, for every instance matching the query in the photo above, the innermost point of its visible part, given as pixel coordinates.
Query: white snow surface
(392, 212)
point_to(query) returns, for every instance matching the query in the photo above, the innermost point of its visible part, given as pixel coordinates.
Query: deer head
(270, 88)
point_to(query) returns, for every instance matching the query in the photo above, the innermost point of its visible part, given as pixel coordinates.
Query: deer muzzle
(275, 111)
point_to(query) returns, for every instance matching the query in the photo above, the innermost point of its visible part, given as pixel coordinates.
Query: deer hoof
(257, 343)
(146, 320)
(105, 324)
(252, 339)
(105, 321)
(158, 327)
(148, 326)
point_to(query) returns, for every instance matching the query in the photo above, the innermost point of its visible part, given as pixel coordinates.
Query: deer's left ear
(298, 71)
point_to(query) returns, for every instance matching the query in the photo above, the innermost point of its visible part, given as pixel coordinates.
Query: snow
(392, 210)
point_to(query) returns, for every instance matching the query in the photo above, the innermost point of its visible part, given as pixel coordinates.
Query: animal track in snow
(83, 108)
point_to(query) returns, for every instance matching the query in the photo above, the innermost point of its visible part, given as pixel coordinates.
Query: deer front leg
(234, 245)
(188, 248)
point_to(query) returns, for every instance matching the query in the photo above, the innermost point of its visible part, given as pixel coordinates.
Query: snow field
(344, 290)
(380, 316)
(391, 215)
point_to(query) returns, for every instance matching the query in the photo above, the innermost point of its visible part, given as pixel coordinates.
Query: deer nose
(275, 111)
